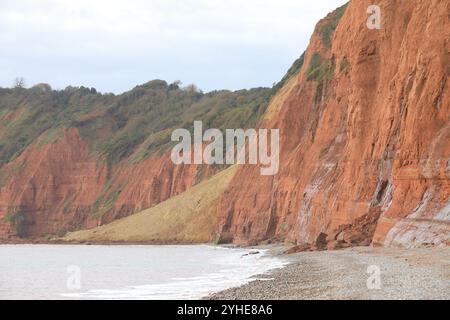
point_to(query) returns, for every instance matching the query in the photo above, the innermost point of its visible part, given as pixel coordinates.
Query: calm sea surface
(125, 272)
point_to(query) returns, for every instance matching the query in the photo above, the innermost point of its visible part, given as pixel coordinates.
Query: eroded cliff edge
(365, 137)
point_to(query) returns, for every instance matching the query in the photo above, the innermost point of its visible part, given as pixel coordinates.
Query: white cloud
(114, 45)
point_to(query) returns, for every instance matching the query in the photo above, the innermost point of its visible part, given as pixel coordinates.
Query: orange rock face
(57, 187)
(365, 138)
(364, 149)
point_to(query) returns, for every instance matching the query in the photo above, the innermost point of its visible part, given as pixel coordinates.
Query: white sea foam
(235, 269)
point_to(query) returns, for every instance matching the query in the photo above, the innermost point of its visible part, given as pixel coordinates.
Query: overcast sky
(115, 45)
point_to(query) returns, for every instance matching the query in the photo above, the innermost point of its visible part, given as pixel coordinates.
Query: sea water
(126, 271)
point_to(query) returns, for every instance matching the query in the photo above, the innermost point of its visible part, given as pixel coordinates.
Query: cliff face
(364, 119)
(60, 187)
(75, 159)
(364, 137)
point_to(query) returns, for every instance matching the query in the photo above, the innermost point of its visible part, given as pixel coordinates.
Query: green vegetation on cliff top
(137, 123)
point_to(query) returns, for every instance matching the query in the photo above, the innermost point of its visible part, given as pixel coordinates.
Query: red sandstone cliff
(74, 159)
(365, 137)
(62, 187)
(365, 131)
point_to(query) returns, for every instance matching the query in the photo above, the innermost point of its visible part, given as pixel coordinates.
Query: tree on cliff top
(19, 82)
